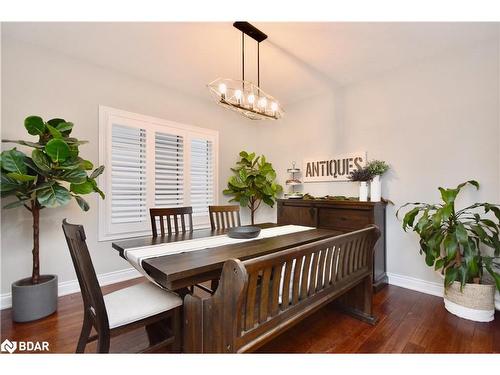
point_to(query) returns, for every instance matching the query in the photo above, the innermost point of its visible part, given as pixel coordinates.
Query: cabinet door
(298, 215)
(343, 219)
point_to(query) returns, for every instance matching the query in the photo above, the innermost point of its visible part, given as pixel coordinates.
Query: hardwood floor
(409, 322)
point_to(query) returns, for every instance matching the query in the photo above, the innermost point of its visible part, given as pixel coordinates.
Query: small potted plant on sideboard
(377, 168)
(464, 246)
(363, 176)
(51, 176)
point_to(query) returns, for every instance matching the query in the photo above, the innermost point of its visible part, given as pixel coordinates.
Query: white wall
(39, 81)
(436, 122)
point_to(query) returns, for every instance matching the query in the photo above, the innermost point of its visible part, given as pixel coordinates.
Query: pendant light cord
(258, 65)
(243, 57)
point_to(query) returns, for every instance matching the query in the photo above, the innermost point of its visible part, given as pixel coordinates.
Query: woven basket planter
(475, 302)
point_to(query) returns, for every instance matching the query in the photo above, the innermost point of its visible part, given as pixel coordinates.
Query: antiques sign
(336, 168)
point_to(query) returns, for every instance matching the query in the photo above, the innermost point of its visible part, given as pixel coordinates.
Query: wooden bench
(259, 298)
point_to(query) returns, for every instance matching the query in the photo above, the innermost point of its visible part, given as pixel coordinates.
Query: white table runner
(136, 255)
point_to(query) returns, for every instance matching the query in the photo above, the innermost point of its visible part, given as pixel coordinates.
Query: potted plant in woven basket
(363, 176)
(51, 177)
(464, 246)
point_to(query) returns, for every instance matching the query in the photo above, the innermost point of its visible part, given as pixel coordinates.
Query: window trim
(155, 124)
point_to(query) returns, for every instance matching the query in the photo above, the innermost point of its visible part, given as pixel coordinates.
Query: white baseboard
(423, 286)
(71, 286)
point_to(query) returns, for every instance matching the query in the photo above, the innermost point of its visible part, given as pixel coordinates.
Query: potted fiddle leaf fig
(253, 182)
(51, 175)
(464, 246)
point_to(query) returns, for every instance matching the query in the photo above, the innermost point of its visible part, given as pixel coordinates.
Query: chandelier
(244, 96)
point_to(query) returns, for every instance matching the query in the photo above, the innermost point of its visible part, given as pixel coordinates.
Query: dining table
(184, 269)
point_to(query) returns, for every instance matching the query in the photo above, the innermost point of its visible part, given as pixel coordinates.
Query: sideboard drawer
(338, 218)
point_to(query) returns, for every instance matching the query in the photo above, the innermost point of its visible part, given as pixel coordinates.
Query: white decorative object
(375, 189)
(292, 182)
(363, 191)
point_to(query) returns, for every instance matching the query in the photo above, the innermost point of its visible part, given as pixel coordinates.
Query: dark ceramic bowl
(244, 232)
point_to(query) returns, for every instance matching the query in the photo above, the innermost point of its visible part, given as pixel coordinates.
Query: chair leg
(103, 343)
(84, 334)
(177, 330)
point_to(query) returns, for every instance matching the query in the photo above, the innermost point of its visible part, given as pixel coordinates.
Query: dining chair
(172, 216)
(224, 217)
(126, 309)
(175, 219)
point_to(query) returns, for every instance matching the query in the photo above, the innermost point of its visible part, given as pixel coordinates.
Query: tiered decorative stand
(292, 183)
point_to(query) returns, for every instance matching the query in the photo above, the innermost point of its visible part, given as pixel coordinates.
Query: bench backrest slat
(258, 297)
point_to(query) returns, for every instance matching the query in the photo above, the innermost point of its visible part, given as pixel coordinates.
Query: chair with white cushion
(145, 304)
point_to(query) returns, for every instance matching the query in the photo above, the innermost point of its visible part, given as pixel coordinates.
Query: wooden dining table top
(182, 270)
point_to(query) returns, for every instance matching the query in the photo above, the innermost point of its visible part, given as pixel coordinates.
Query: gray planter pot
(32, 302)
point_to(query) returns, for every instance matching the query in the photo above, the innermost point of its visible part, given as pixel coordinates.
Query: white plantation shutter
(202, 176)
(128, 175)
(152, 163)
(169, 170)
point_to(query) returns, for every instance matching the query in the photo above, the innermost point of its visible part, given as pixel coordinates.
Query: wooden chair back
(224, 217)
(91, 292)
(258, 298)
(175, 219)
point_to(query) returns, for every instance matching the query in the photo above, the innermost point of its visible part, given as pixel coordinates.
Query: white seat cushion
(137, 302)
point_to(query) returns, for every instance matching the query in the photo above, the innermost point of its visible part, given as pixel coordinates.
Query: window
(152, 163)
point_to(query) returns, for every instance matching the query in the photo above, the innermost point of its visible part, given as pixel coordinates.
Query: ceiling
(298, 60)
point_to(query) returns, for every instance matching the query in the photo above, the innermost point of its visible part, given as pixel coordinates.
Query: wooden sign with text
(336, 168)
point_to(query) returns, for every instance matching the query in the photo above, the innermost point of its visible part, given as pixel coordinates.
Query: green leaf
(54, 132)
(439, 264)
(96, 188)
(34, 125)
(471, 182)
(448, 195)
(41, 160)
(65, 127)
(75, 176)
(461, 233)
(13, 161)
(97, 172)
(55, 122)
(409, 218)
(8, 184)
(450, 244)
(450, 276)
(82, 203)
(84, 188)
(21, 177)
(86, 164)
(429, 258)
(53, 196)
(57, 149)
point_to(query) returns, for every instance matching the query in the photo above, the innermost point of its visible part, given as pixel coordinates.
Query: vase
(375, 189)
(363, 191)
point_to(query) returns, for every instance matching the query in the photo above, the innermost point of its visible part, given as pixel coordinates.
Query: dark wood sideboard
(343, 216)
